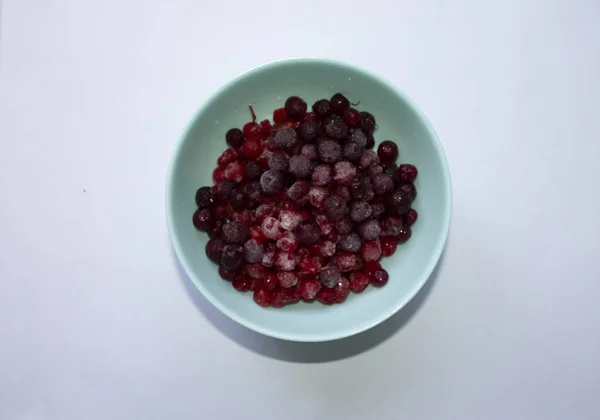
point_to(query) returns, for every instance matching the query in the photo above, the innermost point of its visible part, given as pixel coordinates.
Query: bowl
(266, 88)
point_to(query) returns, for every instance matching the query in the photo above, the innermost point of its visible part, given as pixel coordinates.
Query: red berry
(309, 289)
(407, 172)
(280, 116)
(388, 245)
(251, 130)
(379, 278)
(341, 290)
(222, 211)
(255, 270)
(287, 242)
(358, 282)
(311, 265)
(410, 218)
(387, 152)
(256, 234)
(228, 156)
(235, 172)
(265, 129)
(351, 117)
(287, 279)
(370, 251)
(251, 148)
(227, 274)
(218, 175)
(243, 283)
(310, 117)
(369, 267)
(204, 220)
(263, 296)
(326, 296)
(404, 235)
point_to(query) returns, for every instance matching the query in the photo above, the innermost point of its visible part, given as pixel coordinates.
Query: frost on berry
(317, 196)
(308, 233)
(350, 242)
(309, 289)
(268, 258)
(310, 151)
(391, 226)
(358, 136)
(285, 261)
(272, 181)
(253, 251)
(329, 276)
(330, 151)
(287, 242)
(287, 279)
(358, 282)
(271, 227)
(343, 172)
(352, 151)
(368, 158)
(324, 224)
(382, 184)
(360, 211)
(322, 175)
(335, 207)
(300, 166)
(344, 225)
(344, 261)
(327, 248)
(278, 161)
(298, 190)
(370, 251)
(235, 233)
(370, 230)
(264, 210)
(286, 139)
(289, 219)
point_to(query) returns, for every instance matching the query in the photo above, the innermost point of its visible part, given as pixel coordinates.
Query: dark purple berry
(379, 278)
(272, 181)
(391, 226)
(352, 151)
(370, 230)
(235, 233)
(400, 201)
(367, 122)
(370, 142)
(279, 161)
(357, 187)
(214, 250)
(253, 251)
(360, 211)
(391, 170)
(300, 166)
(254, 192)
(344, 225)
(307, 233)
(330, 151)
(339, 104)
(410, 218)
(335, 128)
(204, 219)
(382, 184)
(404, 234)
(239, 200)
(298, 190)
(377, 210)
(407, 173)
(253, 170)
(227, 274)
(387, 152)
(286, 139)
(368, 158)
(358, 136)
(295, 108)
(234, 137)
(225, 189)
(410, 190)
(310, 151)
(322, 174)
(322, 108)
(329, 276)
(350, 242)
(232, 257)
(309, 131)
(335, 207)
(205, 198)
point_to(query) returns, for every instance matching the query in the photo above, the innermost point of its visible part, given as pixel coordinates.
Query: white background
(97, 321)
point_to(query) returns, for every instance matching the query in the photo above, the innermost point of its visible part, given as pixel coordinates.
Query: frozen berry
(253, 170)
(410, 190)
(360, 211)
(341, 290)
(350, 242)
(310, 117)
(234, 137)
(262, 296)
(391, 226)
(369, 267)
(280, 116)
(287, 242)
(286, 139)
(251, 130)
(239, 200)
(309, 289)
(357, 187)
(379, 278)
(310, 151)
(339, 104)
(272, 181)
(205, 198)
(374, 170)
(322, 108)
(271, 228)
(329, 151)
(387, 152)
(382, 184)
(317, 196)
(253, 251)
(256, 233)
(335, 207)
(370, 251)
(307, 233)
(368, 158)
(400, 201)
(214, 250)
(351, 117)
(367, 122)
(352, 151)
(278, 161)
(295, 108)
(324, 224)
(377, 210)
(329, 276)
(235, 233)
(243, 283)
(233, 256)
(228, 156)
(289, 219)
(204, 220)
(322, 174)
(343, 172)
(287, 279)
(309, 132)
(300, 166)
(358, 136)
(358, 282)
(388, 245)
(254, 192)
(407, 172)
(344, 261)
(269, 256)
(370, 230)
(285, 261)
(410, 218)
(310, 265)
(226, 274)
(343, 192)
(251, 148)
(270, 280)
(335, 128)
(298, 190)
(218, 175)
(404, 234)
(225, 189)
(370, 142)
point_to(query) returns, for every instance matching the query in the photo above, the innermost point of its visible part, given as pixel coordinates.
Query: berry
(253, 170)
(205, 198)
(370, 230)
(350, 242)
(310, 117)
(367, 122)
(322, 108)
(391, 226)
(358, 282)
(307, 233)
(341, 290)
(262, 296)
(287, 242)
(335, 128)
(322, 175)
(254, 192)
(256, 233)
(309, 289)
(377, 209)
(278, 161)
(269, 256)
(287, 279)
(382, 184)
(374, 170)
(387, 152)
(400, 201)
(317, 196)
(410, 190)
(232, 257)
(329, 276)
(368, 158)
(251, 148)
(286, 139)
(295, 108)
(343, 172)
(270, 280)
(289, 219)
(352, 151)
(326, 296)
(272, 181)
(235, 233)
(227, 274)
(253, 251)
(339, 104)
(379, 278)
(214, 250)
(343, 192)
(218, 175)
(280, 116)
(285, 261)
(234, 137)
(298, 190)
(204, 219)
(404, 235)
(324, 224)
(228, 156)
(360, 211)
(410, 218)
(310, 151)
(344, 225)
(388, 245)
(369, 267)
(351, 117)
(243, 284)
(309, 131)
(270, 227)
(251, 130)
(310, 265)
(235, 172)
(329, 151)
(344, 261)
(370, 251)
(370, 142)
(357, 187)
(264, 210)
(335, 207)
(243, 216)
(358, 136)
(300, 166)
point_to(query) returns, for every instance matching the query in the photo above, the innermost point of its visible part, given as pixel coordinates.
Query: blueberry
(232, 257)
(344, 225)
(322, 108)
(278, 161)
(300, 166)
(360, 211)
(339, 104)
(295, 108)
(234, 137)
(370, 230)
(330, 276)
(235, 233)
(335, 207)
(307, 233)
(272, 181)
(352, 151)
(239, 200)
(309, 131)
(350, 242)
(335, 127)
(286, 139)
(253, 170)
(253, 251)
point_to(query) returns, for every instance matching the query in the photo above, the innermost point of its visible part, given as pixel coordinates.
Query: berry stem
(252, 112)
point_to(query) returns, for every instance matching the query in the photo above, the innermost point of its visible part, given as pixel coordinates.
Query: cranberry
(309, 289)
(311, 265)
(285, 261)
(242, 284)
(379, 278)
(351, 117)
(204, 220)
(287, 279)
(344, 261)
(289, 219)
(369, 267)
(234, 137)
(271, 228)
(404, 235)
(370, 251)
(262, 296)
(407, 172)
(387, 152)
(287, 242)
(205, 198)
(367, 122)
(388, 245)
(339, 104)
(295, 108)
(410, 218)
(269, 255)
(327, 296)
(358, 282)
(341, 290)
(410, 190)
(280, 116)
(270, 280)
(227, 274)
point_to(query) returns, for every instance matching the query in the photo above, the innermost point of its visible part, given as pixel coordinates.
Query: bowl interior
(398, 119)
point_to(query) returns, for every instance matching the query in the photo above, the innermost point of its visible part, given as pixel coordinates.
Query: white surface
(95, 320)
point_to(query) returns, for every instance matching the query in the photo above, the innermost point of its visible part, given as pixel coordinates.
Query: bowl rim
(382, 316)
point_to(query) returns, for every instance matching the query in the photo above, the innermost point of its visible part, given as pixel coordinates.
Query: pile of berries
(303, 208)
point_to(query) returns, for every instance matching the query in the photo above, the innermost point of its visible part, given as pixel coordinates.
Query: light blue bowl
(266, 88)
